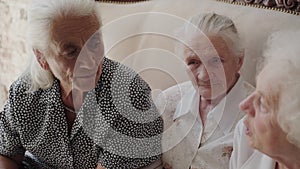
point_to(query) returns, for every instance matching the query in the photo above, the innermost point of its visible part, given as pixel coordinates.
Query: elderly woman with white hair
(73, 108)
(271, 125)
(198, 131)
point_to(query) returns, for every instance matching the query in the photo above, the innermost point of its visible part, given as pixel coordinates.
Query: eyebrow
(65, 46)
(191, 57)
(69, 45)
(260, 93)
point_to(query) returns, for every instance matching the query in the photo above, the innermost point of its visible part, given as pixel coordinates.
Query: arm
(155, 165)
(11, 150)
(134, 135)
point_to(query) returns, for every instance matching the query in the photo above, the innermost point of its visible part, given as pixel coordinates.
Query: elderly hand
(99, 166)
(167, 166)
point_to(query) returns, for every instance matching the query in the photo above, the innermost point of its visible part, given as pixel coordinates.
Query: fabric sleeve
(10, 144)
(135, 137)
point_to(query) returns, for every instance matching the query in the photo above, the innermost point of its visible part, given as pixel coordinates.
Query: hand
(99, 166)
(167, 166)
(9, 163)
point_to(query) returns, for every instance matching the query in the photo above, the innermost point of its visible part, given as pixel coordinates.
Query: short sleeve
(10, 144)
(135, 139)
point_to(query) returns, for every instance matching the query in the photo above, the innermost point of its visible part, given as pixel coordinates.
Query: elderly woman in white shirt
(273, 111)
(199, 129)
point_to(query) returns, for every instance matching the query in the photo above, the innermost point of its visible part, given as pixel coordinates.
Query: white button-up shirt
(243, 156)
(187, 144)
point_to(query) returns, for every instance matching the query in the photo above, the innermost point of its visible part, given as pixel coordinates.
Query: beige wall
(13, 50)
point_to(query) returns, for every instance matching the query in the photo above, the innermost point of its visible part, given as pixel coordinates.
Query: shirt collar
(227, 110)
(187, 103)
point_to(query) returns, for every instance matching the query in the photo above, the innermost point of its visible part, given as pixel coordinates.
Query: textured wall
(13, 49)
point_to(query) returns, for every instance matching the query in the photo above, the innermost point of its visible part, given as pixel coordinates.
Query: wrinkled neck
(72, 98)
(288, 157)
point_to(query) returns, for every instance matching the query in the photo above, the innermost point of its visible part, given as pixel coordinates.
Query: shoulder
(169, 98)
(22, 100)
(121, 76)
(18, 97)
(167, 101)
(21, 85)
(19, 94)
(116, 67)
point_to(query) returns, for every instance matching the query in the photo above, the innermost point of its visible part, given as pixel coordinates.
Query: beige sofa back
(141, 35)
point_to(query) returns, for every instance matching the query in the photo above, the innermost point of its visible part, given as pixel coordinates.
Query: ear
(240, 60)
(41, 59)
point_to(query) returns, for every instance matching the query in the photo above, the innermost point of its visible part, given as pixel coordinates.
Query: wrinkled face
(262, 129)
(213, 65)
(76, 51)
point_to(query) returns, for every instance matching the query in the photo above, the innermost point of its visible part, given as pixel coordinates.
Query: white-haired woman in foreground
(272, 124)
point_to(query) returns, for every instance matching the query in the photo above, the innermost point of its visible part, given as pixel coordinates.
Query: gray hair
(284, 53)
(41, 14)
(213, 24)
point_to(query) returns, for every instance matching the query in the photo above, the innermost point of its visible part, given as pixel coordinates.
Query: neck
(66, 95)
(206, 105)
(212, 102)
(72, 99)
(288, 158)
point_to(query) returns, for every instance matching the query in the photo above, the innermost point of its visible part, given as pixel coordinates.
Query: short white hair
(213, 24)
(283, 50)
(41, 15)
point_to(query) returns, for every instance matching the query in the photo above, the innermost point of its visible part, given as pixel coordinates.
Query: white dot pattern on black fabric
(35, 122)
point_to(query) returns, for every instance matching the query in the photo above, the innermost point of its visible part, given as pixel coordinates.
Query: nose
(87, 60)
(247, 106)
(202, 73)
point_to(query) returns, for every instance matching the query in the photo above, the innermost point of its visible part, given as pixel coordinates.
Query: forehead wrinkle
(77, 30)
(209, 50)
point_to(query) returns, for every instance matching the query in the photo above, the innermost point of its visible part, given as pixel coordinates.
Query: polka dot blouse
(117, 125)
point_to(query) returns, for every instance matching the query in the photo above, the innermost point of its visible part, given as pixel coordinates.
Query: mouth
(86, 76)
(204, 84)
(247, 130)
(209, 84)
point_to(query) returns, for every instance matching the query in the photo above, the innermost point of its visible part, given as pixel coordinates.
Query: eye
(260, 104)
(192, 62)
(94, 43)
(73, 52)
(70, 51)
(215, 61)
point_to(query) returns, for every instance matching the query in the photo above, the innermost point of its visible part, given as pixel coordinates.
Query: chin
(205, 95)
(211, 92)
(251, 143)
